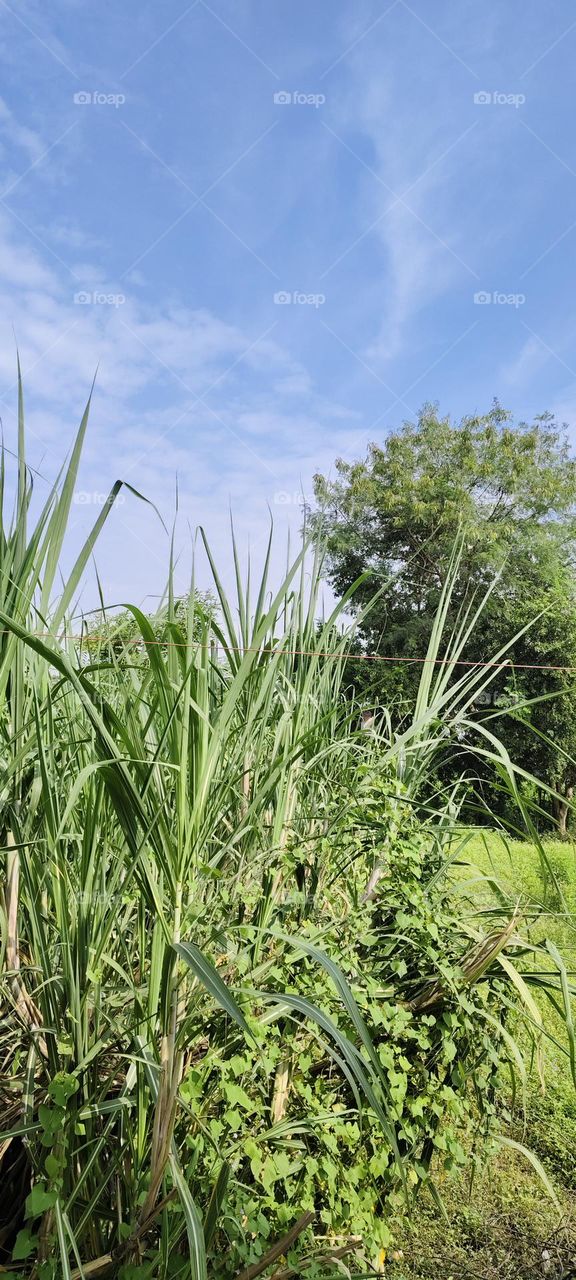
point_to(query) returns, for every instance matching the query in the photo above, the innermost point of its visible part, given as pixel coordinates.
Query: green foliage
(552, 1122)
(117, 636)
(43, 1198)
(511, 492)
(321, 1154)
(402, 508)
(497, 1227)
(497, 1223)
(245, 1010)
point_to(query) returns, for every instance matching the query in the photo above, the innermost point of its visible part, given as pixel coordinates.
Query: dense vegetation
(510, 491)
(498, 1226)
(249, 1011)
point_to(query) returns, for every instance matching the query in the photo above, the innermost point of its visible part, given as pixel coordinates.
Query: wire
(303, 653)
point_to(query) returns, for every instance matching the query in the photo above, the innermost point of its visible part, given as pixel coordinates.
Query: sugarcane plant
(204, 857)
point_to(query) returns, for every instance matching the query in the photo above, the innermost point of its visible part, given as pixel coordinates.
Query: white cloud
(67, 232)
(19, 135)
(419, 262)
(262, 430)
(412, 136)
(531, 359)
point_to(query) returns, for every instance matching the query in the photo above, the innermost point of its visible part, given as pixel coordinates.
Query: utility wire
(300, 653)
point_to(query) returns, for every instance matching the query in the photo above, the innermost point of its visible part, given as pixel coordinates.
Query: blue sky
(180, 166)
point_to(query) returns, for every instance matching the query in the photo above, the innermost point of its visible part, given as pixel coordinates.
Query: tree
(117, 636)
(509, 491)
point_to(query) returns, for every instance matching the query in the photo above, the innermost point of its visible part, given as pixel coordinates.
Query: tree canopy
(508, 491)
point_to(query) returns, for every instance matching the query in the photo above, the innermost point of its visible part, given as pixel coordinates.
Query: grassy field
(500, 1224)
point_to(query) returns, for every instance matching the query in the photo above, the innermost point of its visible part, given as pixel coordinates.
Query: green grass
(497, 1229)
(545, 887)
(519, 869)
(499, 1221)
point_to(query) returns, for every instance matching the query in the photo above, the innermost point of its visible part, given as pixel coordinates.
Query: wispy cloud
(180, 392)
(403, 181)
(375, 183)
(19, 135)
